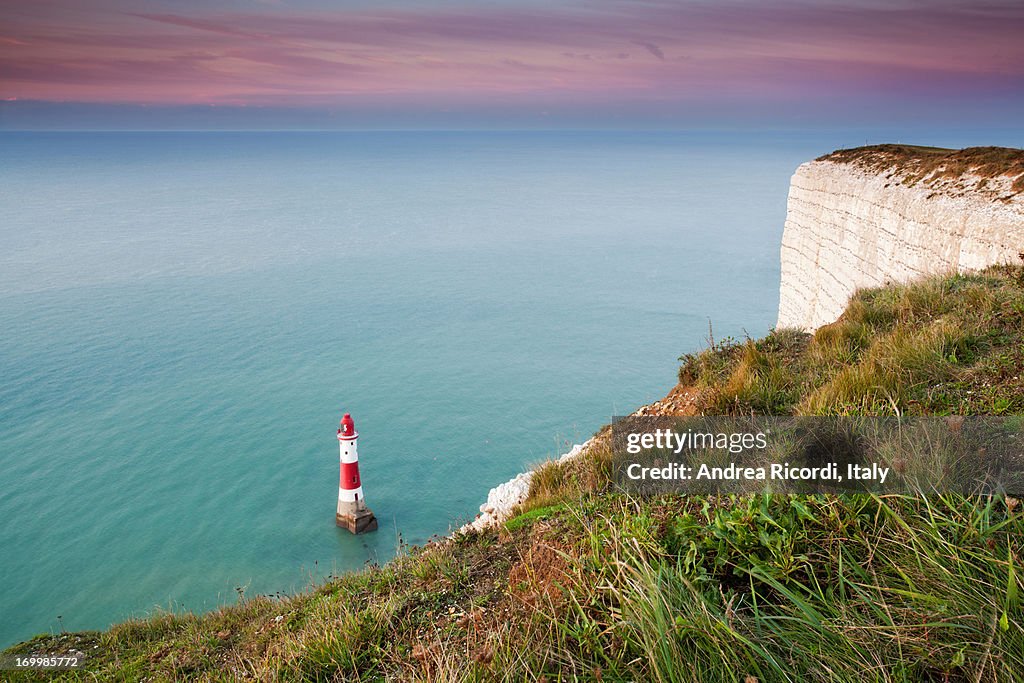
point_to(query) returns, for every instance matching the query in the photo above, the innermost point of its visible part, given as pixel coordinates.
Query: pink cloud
(654, 49)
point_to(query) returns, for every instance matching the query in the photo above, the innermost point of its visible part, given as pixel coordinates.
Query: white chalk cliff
(849, 226)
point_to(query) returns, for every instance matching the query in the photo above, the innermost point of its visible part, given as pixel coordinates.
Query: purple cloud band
(641, 48)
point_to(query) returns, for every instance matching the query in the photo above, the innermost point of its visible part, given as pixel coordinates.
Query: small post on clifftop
(352, 511)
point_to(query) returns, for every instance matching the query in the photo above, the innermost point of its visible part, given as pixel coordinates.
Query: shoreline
(503, 499)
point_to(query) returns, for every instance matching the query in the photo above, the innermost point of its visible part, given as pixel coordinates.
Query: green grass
(894, 589)
(589, 584)
(944, 345)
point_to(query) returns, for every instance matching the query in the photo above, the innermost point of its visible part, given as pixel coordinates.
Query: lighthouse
(352, 511)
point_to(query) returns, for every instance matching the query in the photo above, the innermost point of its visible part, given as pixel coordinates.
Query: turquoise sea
(184, 317)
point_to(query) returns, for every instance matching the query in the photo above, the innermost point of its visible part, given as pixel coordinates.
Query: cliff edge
(869, 216)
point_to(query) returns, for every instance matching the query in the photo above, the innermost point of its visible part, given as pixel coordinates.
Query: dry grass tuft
(931, 164)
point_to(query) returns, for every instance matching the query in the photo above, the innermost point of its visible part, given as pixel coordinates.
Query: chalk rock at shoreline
(503, 498)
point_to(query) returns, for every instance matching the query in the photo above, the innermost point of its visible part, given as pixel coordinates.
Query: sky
(510, 63)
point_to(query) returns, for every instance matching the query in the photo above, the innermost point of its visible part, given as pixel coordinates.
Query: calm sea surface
(185, 316)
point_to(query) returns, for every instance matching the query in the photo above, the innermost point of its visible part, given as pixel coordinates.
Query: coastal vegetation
(943, 345)
(930, 165)
(587, 583)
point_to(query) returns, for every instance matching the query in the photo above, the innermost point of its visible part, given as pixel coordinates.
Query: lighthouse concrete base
(358, 522)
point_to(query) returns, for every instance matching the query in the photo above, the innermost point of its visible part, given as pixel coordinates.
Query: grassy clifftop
(944, 345)
(588, 584)
(932, 165)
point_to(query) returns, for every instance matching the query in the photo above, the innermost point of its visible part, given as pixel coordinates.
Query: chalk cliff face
(856, 222)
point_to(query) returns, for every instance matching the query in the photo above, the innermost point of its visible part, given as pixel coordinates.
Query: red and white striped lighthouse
(352, 511)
